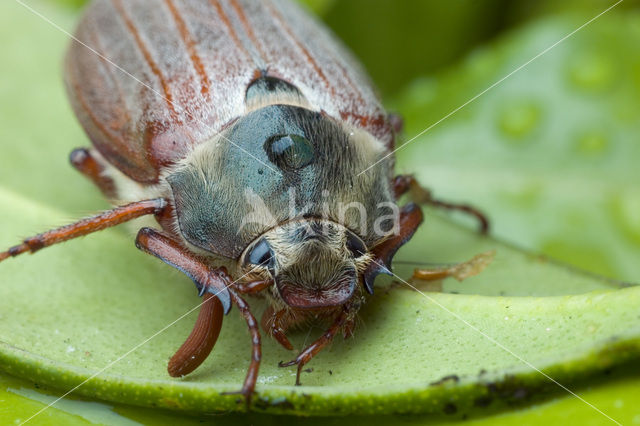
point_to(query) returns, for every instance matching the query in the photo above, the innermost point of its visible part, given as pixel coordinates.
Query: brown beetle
(242, 126)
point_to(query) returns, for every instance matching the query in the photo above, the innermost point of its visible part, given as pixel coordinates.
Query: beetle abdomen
(184, 69)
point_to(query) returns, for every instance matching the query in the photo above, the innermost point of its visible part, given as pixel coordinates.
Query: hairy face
(314, 263)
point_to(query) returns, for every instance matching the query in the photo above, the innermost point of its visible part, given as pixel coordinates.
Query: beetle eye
(289, 151)
(261, 254)
(356, 245)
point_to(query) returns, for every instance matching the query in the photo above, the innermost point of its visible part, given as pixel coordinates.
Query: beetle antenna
(406, 183)
(88, 225)
(198, 345)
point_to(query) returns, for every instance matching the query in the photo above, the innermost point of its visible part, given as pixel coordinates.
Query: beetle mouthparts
(297, 296)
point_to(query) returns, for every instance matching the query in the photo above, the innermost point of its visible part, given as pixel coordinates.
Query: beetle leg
(210, 282)
(88, 165)
(349, 327)
(272, 324)
(198, 345)
(420, 195)
(86, 226)
(312, 350)
(410, 219)
(213, 281)
(248, 388)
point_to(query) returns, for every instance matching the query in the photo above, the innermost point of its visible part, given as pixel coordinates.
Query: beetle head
(281, 189)
(276, 164)
(314, 263)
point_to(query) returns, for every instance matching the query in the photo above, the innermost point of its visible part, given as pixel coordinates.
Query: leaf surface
(70, 311)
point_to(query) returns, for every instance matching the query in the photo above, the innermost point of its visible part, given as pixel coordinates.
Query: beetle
(243, 128)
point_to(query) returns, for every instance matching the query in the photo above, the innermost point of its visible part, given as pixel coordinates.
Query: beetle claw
(300, 362)
(247, 396)
(288, 364)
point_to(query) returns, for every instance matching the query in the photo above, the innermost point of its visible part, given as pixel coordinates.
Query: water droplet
(592, 143)
(525, 196)
(591, 71)
(519, 120)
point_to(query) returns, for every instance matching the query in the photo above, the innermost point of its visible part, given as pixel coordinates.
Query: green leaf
(99, 307)
(551, 152)
(71, 310)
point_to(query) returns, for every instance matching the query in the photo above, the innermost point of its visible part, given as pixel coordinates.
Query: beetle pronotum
(230, 107)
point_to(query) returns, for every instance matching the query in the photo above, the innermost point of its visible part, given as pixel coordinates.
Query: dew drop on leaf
(592, 143)
(591, 71)
(519, 120)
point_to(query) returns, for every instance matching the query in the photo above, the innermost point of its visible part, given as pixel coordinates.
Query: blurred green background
(550, 154)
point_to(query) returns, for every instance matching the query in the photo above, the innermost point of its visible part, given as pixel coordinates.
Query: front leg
(209, 281)
(214, 281)
(409, 220)
(275, 325)
(250, 379)
(312, 350)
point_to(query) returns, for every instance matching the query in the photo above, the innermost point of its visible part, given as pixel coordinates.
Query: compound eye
(355, 245)
(261, 254)
(289, 151)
